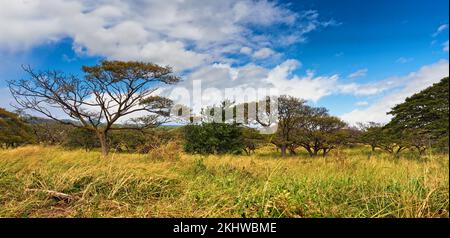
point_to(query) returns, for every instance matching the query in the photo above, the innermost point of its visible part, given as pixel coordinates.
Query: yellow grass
(346, 184)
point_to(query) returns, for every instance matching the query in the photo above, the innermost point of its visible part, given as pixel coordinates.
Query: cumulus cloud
(445, 45)
(274, 81)
(194, 35)
(246, 50)
(283, 79)
(201, 39)
(309, 87)
(263, 53)
(411, 84)
(358, 74)
(183, 34)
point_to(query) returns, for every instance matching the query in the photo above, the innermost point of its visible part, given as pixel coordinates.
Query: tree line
(112, 90)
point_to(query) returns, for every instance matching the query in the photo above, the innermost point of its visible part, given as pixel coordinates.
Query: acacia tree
(108, 92)
(424, 115)
(291, 116)
(320, 131)
(371, 134)
(392, 140)
(291, 111)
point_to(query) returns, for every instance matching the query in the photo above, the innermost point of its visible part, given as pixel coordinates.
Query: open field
(345, 184)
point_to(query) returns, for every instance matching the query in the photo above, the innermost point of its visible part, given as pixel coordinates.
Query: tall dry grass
(348, 183)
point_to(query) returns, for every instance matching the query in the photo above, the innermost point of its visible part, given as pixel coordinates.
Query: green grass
(346, 184)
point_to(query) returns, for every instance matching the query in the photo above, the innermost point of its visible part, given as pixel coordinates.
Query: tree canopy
(426, 110)
(425, 114)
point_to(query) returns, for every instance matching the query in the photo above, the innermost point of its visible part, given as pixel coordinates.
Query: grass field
(346, 184)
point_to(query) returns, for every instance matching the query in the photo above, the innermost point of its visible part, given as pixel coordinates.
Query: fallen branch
(54, 194)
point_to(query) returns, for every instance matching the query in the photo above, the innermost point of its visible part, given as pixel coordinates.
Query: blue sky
(357, 58)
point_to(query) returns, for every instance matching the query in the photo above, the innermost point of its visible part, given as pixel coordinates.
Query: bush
(213, 138)
(82, 138)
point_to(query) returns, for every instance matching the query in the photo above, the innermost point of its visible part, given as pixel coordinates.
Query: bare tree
(108, 92)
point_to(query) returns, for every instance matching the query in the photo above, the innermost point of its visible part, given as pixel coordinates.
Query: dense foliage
(424, 117)
(427, 110)
(213, 138)
(13, 130)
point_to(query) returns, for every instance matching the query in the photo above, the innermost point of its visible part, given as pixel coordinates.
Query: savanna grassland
(347, 183)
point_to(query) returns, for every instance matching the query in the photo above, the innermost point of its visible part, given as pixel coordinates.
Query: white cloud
(193, 35)
(358, 74)
(362, 103)
(246, 50)
(440, 29)
(404, 60)
(280, 79)
(445, 45)
(263, 53)
(364, 89)
(308, 87)
(372, 88)
(412, 83)
(184, 34)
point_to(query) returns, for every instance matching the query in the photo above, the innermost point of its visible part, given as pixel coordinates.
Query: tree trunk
(283, 150)
(421, 150)
(316, 152)
(102, 136)
(309, 151)
(397, 152)
(292, 151)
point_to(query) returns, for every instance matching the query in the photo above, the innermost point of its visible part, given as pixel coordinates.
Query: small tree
(213, 138)
(288, 118)
(372, 134)
(320, 132)
(107, 93)
(392, 141)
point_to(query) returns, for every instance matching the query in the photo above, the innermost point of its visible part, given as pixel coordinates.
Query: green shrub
(213, 138)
